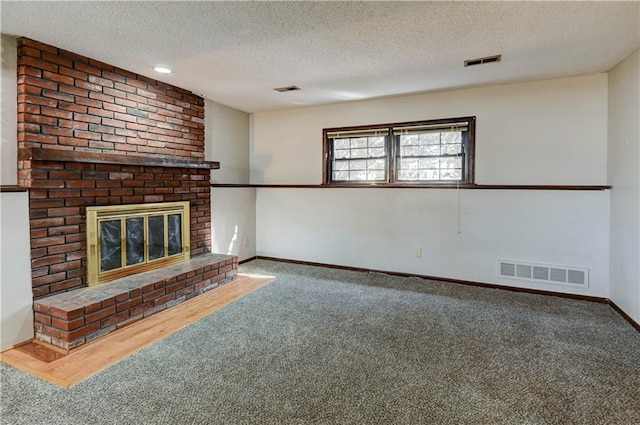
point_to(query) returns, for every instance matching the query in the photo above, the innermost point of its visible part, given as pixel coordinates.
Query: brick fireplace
(91, 134)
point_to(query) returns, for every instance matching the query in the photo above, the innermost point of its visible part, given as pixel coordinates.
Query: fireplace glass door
(129, 239)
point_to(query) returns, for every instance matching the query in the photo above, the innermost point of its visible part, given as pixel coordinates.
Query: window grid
(359, 159)
(430, 156)
(425, 153)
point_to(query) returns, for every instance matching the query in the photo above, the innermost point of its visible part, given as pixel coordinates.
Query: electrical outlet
(418, 252)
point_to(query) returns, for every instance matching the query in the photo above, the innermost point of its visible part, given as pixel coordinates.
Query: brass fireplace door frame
(95, 215)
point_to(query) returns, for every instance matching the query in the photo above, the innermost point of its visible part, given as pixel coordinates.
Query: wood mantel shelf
(42, 154)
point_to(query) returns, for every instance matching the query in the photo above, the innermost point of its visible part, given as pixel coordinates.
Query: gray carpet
(327, 346)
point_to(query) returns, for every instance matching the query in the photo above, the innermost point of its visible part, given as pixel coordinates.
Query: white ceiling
(235, 53)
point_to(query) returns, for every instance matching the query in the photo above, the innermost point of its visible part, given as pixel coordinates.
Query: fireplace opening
(128, 239)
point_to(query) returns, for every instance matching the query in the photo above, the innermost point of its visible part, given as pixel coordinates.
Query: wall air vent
(480, 61)
(288, 88)
(563, 275)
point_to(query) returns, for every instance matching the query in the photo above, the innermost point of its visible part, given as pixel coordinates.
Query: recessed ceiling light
(161, 69)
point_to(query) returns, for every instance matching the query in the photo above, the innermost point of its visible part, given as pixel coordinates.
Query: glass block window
(423, 153)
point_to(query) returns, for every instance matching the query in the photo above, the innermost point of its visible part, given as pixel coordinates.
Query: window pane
(450, 162)
(429, 174)
(358, 175)
(434, 155)
(452, 137)
(341, 165)
(358, 153)
(375, 164)
(451, 174)
(340, 175)
(341, 144)
(429, 163)
(375, 175)
(431, 138)
(451, 149)
(429, 150)
(358, 165)
(377, 152)
(409, 164)
(376, 142)
(408, 174)
(342, 153)
(350, 161)
(409, 150)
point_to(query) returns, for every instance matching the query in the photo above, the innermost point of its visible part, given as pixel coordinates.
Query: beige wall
(233, 210)
(16, 313)
(8, 112)
(545, 132)
(624, 176)
(227, 141)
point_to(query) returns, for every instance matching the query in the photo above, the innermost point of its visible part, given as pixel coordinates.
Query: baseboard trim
(621, 312)
(589, 298)
(246, 260)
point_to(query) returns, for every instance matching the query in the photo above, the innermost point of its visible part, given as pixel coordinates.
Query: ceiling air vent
(480, 61)
(288, 88)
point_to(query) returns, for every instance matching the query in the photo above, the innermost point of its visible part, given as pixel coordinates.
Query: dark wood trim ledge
(41, 154)
(422, 186)
(442, 279)
(599, 300)
(246, 260)
(5, 188)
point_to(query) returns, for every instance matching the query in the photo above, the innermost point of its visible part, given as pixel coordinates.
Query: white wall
(8, 112)
(233, 210)
(547, 132)
(227, 141)
(381, 228)
(16, 312)
(624, 176)
(234, 221)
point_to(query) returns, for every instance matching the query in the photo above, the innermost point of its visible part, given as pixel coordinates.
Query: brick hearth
(76, 317)
(91, 134)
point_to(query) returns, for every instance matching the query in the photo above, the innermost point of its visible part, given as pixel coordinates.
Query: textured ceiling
(235, 53)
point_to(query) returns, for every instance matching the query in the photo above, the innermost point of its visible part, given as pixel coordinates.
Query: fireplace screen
(129, 239)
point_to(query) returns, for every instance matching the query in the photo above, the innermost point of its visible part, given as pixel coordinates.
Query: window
(424, 153)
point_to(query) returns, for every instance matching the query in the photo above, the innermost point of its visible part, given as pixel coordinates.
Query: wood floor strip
(87, 360)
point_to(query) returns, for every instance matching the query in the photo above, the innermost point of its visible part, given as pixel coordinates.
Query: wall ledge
(420, 186)
(7, 188)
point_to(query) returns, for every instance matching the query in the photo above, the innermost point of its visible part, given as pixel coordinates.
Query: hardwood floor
(67, 369)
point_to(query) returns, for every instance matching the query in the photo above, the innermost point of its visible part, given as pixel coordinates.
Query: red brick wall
(67, 101)
(60, 193)
(73, 103)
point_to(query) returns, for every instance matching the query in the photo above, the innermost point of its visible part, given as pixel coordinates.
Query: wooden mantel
(43, 154)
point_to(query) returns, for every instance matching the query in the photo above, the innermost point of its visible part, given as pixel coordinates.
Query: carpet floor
(326, 346)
